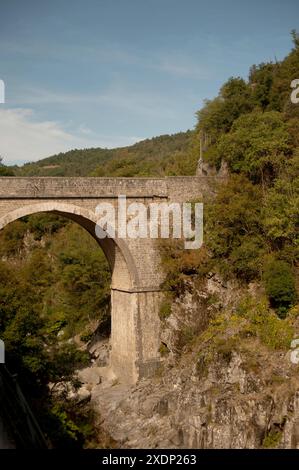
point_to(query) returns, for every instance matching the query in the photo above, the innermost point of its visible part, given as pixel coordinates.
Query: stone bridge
(134, 263)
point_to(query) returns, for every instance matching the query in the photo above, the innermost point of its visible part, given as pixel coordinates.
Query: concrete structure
(135, 263)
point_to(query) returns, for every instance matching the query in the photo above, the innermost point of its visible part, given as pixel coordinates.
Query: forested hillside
(54, 281)
(150, 157)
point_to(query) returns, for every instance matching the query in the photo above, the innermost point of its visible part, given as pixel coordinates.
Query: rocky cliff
(222, 384)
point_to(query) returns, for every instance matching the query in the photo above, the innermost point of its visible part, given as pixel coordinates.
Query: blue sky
(109, 73)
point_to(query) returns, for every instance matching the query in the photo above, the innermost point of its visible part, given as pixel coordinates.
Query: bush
(273, 332)
(5, 171)
(165, 310)
(272, 439)
(180, 265)
(280, 286)
(246, 259)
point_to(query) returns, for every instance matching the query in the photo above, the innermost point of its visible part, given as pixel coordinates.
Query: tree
(5, 171)
(257, 146)
(280, 213)
(218, 115)
(280, 286)
(261, 79)
(233, 229)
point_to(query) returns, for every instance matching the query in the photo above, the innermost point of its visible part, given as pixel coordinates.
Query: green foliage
(54, 283)
(64, 358)
(65, 267)
(230, 330)
(280, 213)
(273, 332)
(164, 155)
(73, 425)
(233, 232)
(163, 350)
(4, 170)
(187, 335)
(82, 282)
(218, 115)
(272, 439)
(12, 239)
(179, 264)
(237, 104)
(261, 79)
(246, 259)
(257, 145)
(280, 286)
(67, 426)
(41, 225)
(160, 156)
(165, 309)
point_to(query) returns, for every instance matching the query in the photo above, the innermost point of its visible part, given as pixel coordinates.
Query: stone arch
(125, 310)
(120, 259)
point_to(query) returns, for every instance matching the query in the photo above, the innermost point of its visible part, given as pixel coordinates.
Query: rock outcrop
(243, 397)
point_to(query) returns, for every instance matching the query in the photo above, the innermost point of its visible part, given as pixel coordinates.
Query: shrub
(273, 332)
(165, 310)
(246, 259)
(180, 265)
(280, 286)
(163, 350)
(272, 439)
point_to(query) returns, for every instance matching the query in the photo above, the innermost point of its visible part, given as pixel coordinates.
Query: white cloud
(118, 95)
(22, 138)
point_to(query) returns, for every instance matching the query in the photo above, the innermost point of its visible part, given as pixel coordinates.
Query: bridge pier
(135, 331)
